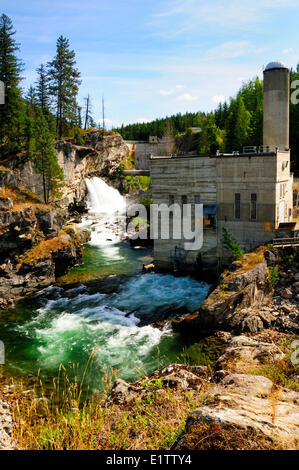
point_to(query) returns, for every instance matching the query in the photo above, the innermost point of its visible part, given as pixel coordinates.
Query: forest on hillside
(31, 120)
(232, 126)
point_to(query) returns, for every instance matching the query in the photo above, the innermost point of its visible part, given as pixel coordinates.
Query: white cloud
(218, 99)
(178, 16)
(187, 97)
(171, 91)
(109, 122)
(165, 92)
(230, 50)
(287, 51)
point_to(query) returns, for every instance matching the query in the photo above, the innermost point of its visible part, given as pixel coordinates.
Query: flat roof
(225, 155)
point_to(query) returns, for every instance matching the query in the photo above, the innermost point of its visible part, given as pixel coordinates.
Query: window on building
(196, 199)
(171, 199)
(209, 221)
(184, 200)
(253, 207)
(209, 215)
(237, 205)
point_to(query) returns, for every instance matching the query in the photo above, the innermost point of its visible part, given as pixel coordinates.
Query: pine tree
(32, 97)
(10, 74)
(29, 125)
(238, 124)
(42, 88)
(64, 84)
(79, 116)
(45, 160)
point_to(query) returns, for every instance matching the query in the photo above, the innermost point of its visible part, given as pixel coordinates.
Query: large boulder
(172, 376)
(244, 354)
(230, 305)
(248, 404)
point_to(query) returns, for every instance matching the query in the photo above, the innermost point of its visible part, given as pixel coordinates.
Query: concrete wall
(246, 175)
(143, 150)
(216, 180)
(277, 108)
(184, 177)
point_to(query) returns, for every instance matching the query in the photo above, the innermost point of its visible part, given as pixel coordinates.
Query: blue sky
(159, 57)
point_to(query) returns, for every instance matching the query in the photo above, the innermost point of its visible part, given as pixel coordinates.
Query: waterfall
(102, 198)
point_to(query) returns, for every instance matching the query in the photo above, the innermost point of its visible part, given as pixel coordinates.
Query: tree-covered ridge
(232, 126)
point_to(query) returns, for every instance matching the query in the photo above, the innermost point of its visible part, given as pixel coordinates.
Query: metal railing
(286, 241)
(259, 149)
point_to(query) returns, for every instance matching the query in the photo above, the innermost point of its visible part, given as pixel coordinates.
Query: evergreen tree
(64, 84)
(238, 124)
(252, 95)
(31, 97)
(10, 74)
(42, 88)
(29, 124)
(45, 160)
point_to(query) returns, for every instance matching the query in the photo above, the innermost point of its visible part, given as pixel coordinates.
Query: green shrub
(273, 278)
(78, 137)
(231, 245)
(146, 201)
(205, 352)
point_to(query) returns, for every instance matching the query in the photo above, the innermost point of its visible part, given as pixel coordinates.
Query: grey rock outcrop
(100, 155)
(34, 251)
(245, 354)
(225, 308)
(250, 403)
(172, 376)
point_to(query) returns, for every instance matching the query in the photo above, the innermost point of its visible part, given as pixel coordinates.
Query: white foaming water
(66, 328)
(106, 218)
(102, 198)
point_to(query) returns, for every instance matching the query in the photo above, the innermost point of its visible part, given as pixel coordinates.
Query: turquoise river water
(105, 306)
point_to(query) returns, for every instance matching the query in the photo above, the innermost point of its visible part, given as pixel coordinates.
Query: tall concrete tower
(277, 105)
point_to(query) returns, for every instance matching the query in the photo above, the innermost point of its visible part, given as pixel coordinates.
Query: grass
(203, 436)
(206, 352)
(284, 372)
(22, 198)
(69, 420)
(45, 248)
(66, 421)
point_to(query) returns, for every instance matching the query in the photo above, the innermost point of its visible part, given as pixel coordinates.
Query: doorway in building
(281, 211)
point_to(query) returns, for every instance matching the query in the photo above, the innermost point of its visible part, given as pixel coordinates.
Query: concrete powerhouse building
(248, 192)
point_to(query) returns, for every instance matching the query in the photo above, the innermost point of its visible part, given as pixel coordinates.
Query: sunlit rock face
(98, 156)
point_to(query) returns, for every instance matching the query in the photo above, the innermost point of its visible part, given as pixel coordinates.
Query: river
(104, 306)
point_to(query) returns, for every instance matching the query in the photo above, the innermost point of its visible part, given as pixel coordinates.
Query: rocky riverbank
(36, 246)
(246, 398)
(241, 407)
(250, 398)
(257, 292)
